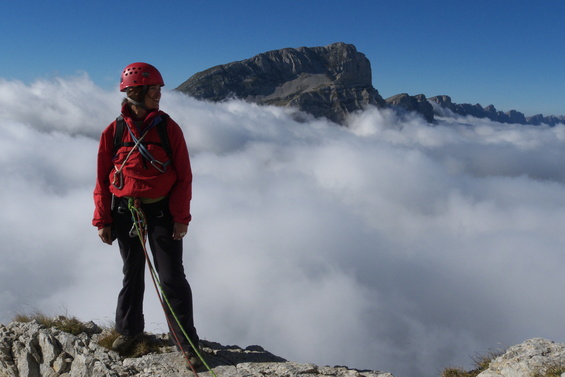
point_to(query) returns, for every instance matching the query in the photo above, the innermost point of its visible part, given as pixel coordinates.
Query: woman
(139, 165)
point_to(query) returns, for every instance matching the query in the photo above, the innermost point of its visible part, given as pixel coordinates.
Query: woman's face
(153, 97)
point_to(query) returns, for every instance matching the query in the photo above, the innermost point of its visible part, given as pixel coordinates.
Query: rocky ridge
(442, 105)
(331, 82)
(406, 103)
(493, 114)
(32, 350)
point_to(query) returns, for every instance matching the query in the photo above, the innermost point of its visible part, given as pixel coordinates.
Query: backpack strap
(161, 130)
(164, 136)
(119, 133)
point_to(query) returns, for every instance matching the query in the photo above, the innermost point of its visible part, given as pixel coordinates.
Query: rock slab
(534, 357)
(32, 350)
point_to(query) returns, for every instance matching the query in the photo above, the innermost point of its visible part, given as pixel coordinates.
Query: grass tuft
(553, 371)
(144, 345)
(481, 362)
(64, 323)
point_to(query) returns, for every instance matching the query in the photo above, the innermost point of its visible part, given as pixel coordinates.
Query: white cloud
(390, 245)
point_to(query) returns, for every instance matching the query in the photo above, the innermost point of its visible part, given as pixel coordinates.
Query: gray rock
(331, 81)
(491, 113)
(31, 350)
(418, 104)
(534, 357)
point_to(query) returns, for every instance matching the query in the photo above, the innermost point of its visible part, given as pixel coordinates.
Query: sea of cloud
(391, 244)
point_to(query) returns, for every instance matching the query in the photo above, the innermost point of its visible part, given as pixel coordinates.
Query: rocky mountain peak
(331, 81)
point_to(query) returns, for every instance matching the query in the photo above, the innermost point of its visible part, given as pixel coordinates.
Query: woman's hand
(105, 234)
(179, 231)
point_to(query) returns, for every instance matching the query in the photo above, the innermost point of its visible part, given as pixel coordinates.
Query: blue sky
(506, 53)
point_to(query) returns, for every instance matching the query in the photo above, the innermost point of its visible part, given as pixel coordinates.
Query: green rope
(141, 227)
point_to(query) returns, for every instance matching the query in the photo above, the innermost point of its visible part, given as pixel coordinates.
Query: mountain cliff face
(331, 81)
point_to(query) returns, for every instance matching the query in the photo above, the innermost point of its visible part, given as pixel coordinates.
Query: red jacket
(140, 178)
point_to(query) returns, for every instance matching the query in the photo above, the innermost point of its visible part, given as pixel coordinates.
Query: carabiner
(157, 163)
(121, 184)
(133, 231)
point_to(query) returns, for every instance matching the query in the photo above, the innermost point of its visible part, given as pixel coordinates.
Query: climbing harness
(139, 229)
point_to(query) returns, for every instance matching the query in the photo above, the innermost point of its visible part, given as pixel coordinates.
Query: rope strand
(140, 224)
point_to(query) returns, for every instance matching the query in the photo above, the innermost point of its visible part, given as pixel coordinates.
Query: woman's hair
(134, 94)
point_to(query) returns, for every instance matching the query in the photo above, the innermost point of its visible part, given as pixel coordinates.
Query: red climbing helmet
(137, 74)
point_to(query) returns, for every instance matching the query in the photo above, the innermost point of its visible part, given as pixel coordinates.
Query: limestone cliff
(331, 81)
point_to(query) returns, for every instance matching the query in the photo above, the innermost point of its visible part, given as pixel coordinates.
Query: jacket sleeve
(181, 192)
(102, 196)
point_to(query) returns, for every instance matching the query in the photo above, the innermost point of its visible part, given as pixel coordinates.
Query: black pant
(167, 260)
